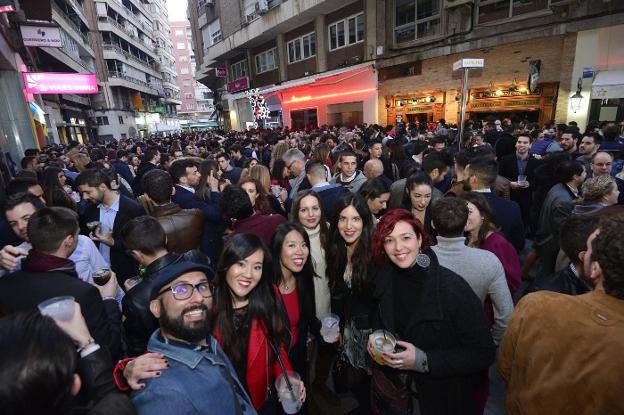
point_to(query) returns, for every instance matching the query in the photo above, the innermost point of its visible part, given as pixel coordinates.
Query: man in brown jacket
(564, 354)
(183, 227)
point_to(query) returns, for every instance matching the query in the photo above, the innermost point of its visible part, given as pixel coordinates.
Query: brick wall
(502, 64)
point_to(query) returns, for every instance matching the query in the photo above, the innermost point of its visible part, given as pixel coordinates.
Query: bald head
(373, 168)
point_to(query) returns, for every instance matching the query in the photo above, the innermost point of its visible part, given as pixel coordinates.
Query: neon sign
(295, 99)
(60, 83)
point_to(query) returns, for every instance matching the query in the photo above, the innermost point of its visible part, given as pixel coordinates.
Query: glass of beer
(101, 276)
(383, 342)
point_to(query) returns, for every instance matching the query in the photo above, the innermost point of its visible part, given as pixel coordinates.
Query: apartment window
(238, 70)
(491, 10)
(179, 32)
(181, 45)
(105, 120)
(301, 48)
(416, 19)
(120, 119)
(190, 106)
(346, 32)
(266, 61)
(186, 82)
(184, 70)
(188, 95)
(214, 30)
(183, 58)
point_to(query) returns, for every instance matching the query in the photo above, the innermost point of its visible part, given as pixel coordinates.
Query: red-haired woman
(444, 338)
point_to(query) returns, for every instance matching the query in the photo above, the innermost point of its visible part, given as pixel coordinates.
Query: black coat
(447, 322)
(122, 264)
(508, 218)
(508, 168)
(22, 291)
(563, 281)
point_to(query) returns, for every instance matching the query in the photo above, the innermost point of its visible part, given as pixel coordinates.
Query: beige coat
(564, 355)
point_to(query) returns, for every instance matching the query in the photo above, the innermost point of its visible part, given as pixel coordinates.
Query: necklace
(286, 286)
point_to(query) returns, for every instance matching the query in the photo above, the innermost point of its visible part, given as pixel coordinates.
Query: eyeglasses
(288, 166)
(184, 291)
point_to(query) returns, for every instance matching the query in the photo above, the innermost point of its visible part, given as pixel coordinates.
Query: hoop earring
(423, 260)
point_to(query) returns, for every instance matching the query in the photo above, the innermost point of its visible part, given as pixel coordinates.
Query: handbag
(390, 392)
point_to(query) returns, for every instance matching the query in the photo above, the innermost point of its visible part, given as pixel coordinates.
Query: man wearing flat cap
(200, 378)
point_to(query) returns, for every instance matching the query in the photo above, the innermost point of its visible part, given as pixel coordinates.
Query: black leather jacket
(564, 281)
(140, 323)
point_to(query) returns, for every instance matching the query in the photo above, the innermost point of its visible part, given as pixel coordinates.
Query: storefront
(504, 102)
(346, 96)
(607, 97)
(422, 107)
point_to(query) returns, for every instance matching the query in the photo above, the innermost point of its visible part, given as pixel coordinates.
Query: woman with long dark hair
(206, 168)
(259, 199)
(444, 342)
(376, 192)
(249, 319)
(417, 198)
(293, 274)
(54, 191)
(348, 259)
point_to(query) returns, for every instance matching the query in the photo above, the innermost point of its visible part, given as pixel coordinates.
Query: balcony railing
(121, 75)
(71, 24)
(128, 32)
(153, 66)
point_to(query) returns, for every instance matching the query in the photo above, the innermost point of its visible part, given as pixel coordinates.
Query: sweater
(483, 272)
(322, 296)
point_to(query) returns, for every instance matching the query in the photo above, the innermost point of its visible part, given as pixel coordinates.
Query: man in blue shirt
(200, 378)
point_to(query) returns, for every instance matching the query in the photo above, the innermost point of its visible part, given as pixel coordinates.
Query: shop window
(238, 70)
(346, 32)
(492, 10)
(301, 48)
(416, 19)
(266, 61)
(303, 118)
(120, 118)
(348, 113)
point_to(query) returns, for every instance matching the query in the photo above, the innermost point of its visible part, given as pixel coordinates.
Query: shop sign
(220, 72)
(159, 109)
(522, 103)
(238, 85)
(42, 36)
(504, 93)
(588, 73)
(485, 105)
(60, 83)
(424, 109)
(469, 63)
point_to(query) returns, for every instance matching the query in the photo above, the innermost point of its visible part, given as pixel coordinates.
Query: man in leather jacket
(146, 240)
(572, 279)
(182, 226)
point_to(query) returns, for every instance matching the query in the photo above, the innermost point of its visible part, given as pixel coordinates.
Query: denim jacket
(196, 382)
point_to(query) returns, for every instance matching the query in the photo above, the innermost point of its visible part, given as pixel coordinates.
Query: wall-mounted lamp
(577, 98)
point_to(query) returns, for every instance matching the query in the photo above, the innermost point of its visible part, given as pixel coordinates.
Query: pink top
(506, 254)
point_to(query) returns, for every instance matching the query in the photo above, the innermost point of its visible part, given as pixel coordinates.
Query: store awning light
(577, 98)
(305, 98)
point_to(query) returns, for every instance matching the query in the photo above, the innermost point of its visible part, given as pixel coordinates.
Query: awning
(608, 84)
(161, 128)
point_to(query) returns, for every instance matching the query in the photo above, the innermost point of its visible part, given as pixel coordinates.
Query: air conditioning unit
(262, 6)
(252, 16)
(210, 2)
(448, 4)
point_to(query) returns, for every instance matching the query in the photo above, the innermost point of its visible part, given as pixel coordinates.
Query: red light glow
(295, 99)
(6, 9)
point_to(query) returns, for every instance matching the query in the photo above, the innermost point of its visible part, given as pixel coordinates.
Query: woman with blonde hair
(278, 151)
(262, 176)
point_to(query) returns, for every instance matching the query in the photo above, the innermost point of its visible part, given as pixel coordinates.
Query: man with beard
(200, 378)
(111, 210)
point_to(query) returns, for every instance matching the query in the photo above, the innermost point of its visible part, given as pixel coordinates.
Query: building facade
(196, 106)
(138, 92)
(390, 61)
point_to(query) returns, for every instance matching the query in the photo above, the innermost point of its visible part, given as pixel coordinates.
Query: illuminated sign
(504, 93)
(238, 85)
(305, 98)
(7, 9)
(60, 83)
(44, 36)
(220, 72)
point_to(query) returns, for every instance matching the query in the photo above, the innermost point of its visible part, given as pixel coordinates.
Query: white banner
(42, 36)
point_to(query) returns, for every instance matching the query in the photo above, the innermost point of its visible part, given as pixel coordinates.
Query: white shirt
(107, 219)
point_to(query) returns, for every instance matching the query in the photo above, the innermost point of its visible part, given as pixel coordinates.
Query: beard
(466, 185)
(193, 332)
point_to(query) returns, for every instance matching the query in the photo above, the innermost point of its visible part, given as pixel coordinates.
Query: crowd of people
(232, 257)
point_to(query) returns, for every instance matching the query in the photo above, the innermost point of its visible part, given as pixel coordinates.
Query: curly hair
(608, 251)
(595, 188)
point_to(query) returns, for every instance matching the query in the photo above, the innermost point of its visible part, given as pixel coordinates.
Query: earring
(423, 260)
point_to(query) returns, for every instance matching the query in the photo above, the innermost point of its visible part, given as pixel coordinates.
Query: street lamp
(577, 98)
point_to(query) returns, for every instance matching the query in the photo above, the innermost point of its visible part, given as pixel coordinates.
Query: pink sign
(60, 83)
(238, 85)
(221, 72)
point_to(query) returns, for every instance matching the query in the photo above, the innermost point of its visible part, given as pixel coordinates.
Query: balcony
(280, 19)
(116, 78)
(115, 52)
(107, 23)
(72, 28)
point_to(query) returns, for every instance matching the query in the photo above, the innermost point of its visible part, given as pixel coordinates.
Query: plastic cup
(93, 225)
(101, 277)
(60, 308)
(290, 399)
(330, 328)
(522, 179)
(383, 342)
